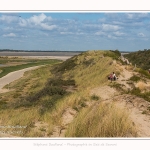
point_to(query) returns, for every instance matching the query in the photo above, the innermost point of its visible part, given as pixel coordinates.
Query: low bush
(137, 92)
(95, 97)
(59, 82)
(51, 91)
(3, 104)
(135, 78)
(49, 104)
(66, 65)
(145, 73)
(113, 54)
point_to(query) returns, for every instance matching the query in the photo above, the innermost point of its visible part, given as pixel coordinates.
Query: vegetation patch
(140, 58)
(135, 78)
(51, 91)
(95, 97)
(6, 70)
(137, 92)
(113, 54)
(3, 104)
(118, 86)
(145, 73)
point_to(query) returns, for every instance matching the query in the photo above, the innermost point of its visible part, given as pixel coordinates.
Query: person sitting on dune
(112, 77)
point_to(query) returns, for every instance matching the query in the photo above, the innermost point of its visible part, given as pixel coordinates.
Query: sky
(75, 31)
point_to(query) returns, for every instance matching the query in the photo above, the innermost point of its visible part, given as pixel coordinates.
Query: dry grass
(141, 85)
(99, 121)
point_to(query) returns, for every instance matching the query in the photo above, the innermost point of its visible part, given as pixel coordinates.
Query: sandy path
(12, 76)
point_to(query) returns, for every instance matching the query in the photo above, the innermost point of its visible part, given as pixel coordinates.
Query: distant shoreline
(63, 55)
(8, 53)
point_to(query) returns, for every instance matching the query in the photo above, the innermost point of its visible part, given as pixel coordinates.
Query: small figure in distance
(112, 77)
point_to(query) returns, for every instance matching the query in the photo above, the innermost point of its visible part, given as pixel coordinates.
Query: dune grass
(99, 121)
(85, 71)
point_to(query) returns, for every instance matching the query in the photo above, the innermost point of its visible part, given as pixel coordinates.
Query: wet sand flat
(57, 53)
(40, 55)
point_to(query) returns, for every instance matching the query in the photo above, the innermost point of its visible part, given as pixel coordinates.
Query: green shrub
(135, 78)
(95, 97)
(140, 58)
(144, 72)
(49, 104)
(3, 104)
(59, 82)
(66, 65)
(54, 90)
(113, 54)
(137, 92)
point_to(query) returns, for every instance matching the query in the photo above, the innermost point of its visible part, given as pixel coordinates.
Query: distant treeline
(141, 58)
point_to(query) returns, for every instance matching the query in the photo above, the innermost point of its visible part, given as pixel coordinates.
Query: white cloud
(66, 32)
(117, 33)
(80, 33)
(141, 34)
(100, 33)
(10, 35)
(23, 22)
(8, 28)
(136, 16)
(130, 16)
(111, 36)
(47, 27)
(37, 19)
(108, 27)
(24, 36)
(8, 19)
(102, 19)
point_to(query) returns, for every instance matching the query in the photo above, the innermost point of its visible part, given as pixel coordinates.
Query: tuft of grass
(144, 112)
(95, 97)
(99, 121)
(141, 85)
(118, 86)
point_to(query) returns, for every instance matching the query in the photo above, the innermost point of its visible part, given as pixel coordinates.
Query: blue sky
(75, 31)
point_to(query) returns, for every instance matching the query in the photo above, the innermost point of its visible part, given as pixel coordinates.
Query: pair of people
(112, 77)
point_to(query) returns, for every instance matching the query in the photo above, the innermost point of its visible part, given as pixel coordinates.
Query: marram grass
(101, 120)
